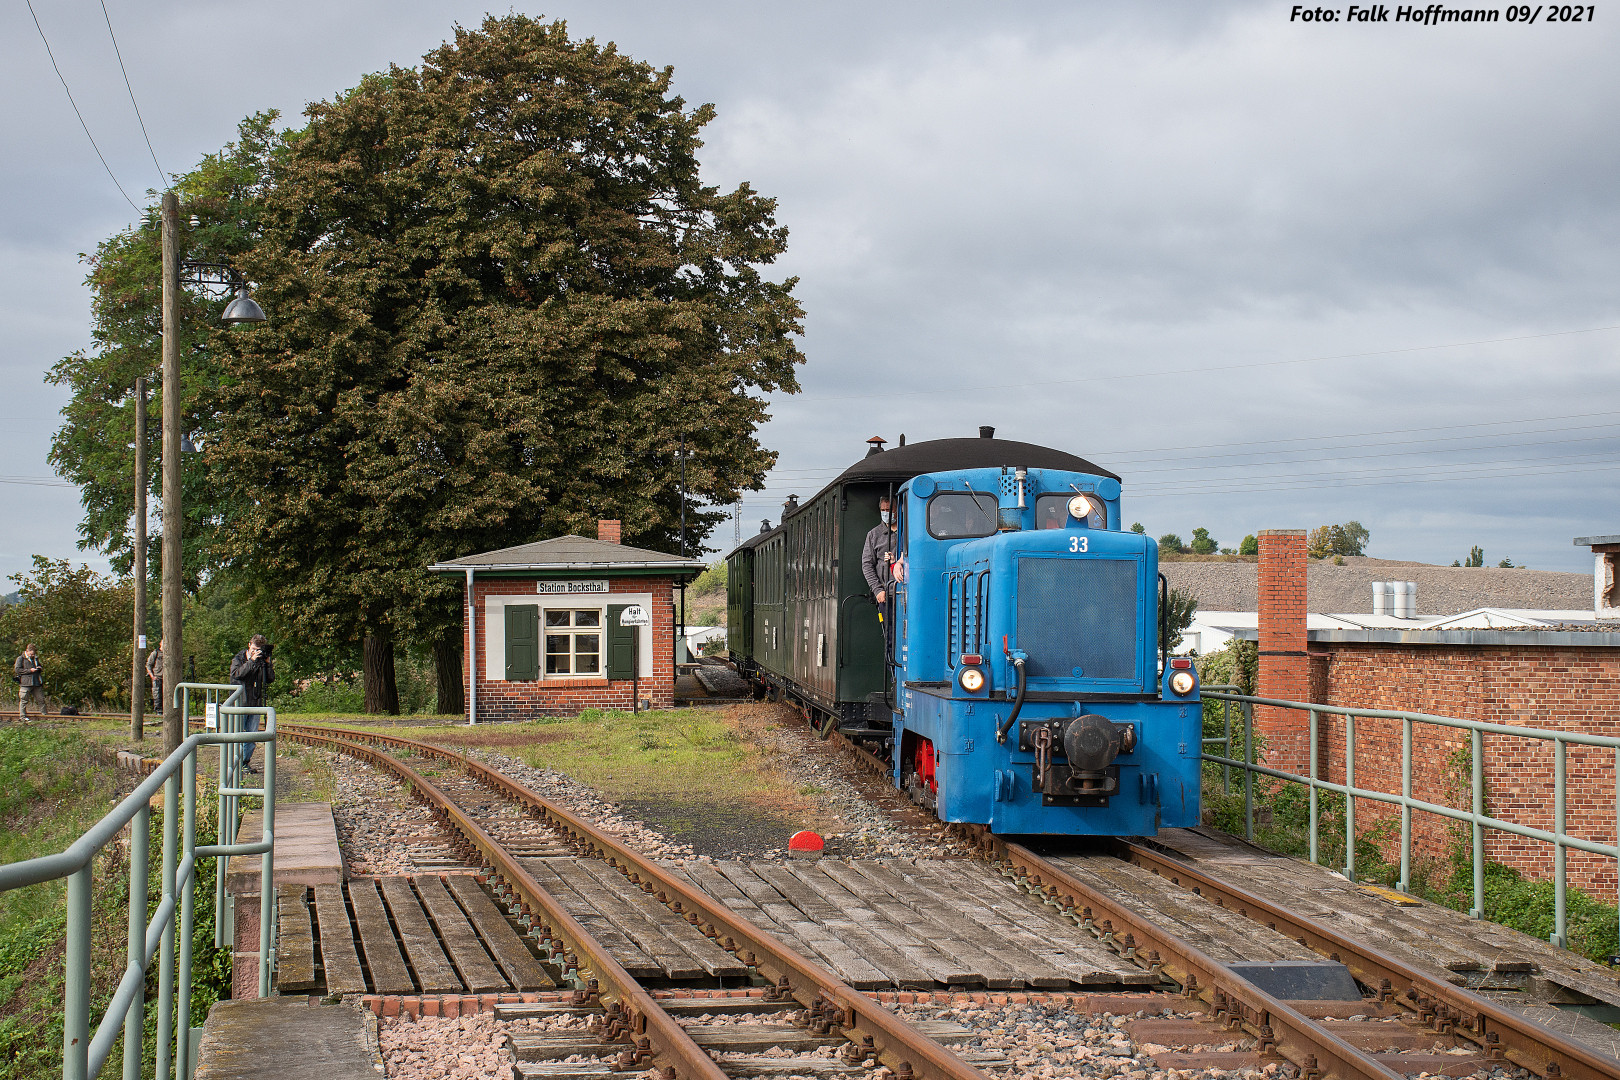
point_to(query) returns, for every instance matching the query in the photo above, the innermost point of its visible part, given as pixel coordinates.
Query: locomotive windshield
(953, 516)
(1052, 512)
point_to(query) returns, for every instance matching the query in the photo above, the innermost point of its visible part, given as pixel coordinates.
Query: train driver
(877, 556)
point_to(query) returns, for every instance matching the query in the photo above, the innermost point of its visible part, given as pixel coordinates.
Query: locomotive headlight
(1182, 682)
(972, 680)
(1079, 508)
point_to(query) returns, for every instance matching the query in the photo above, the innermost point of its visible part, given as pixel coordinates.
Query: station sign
(549, 588)
(634, 615)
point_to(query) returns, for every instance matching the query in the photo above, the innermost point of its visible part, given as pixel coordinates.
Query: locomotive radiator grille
(1077, 617)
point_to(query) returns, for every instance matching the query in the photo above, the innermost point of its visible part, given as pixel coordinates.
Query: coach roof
(948, 455)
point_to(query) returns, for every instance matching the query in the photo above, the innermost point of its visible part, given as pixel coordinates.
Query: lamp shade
(244, 309)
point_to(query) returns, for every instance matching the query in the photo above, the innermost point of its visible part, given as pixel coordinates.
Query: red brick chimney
(607, 531)
(1284, 668)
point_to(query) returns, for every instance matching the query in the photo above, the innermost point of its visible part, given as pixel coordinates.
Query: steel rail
(1234, 1000)
(669, 1048)
(893, 1041)
(1521, 1040)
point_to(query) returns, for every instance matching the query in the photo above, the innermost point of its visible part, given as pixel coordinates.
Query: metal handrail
(1476, 817)
(83, 1055)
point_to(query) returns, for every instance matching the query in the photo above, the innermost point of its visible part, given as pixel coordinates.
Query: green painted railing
(1476, 817)
(84, 1053)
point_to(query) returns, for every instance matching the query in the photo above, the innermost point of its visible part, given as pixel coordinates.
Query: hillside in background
(1233, 585)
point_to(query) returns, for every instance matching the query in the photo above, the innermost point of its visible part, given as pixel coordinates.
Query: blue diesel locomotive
(1020, 682)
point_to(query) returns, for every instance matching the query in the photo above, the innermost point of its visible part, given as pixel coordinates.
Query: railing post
(182, 1049)
(76, 996)
(1314, 736)
(1248, 774)
(1349, 799)
(1226, 770)
(1560, 852)
(140, 837)
(1406, 804)
(165, 1012)
(1476, 745)
(267, 888)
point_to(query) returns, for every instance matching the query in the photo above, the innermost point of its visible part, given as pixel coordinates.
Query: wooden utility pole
(173, 643)
(137, 679)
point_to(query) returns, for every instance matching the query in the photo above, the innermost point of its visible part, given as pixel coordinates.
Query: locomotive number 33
(1077, 543)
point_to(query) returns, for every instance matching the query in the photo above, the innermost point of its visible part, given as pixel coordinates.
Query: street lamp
(244, 309)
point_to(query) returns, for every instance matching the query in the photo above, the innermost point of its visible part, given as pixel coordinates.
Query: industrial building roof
(573, 553)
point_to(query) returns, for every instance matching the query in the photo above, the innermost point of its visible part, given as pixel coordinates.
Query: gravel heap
(1347, 589)
(575, 797)
(375, 818)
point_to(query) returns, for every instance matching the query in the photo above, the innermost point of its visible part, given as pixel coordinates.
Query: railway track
(1403, 990)
(1319, 1039)
(631, 1021)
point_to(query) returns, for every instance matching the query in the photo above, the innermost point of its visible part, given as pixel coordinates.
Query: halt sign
(634, 615)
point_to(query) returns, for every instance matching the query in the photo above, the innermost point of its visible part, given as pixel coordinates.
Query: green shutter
(621, 645)
(522, 642)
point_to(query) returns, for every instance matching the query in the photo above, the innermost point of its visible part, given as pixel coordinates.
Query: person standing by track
(154, 672)
(253, 670)
(29, 672)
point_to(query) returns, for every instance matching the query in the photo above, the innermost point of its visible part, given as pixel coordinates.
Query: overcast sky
(1274, 274)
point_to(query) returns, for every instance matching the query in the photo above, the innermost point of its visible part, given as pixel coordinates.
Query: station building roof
(575, 556)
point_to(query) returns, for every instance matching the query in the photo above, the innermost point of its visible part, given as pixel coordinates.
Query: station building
(544, 628)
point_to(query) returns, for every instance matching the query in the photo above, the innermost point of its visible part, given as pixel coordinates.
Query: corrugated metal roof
(573, 553)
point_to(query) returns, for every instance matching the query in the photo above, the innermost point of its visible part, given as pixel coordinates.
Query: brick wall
(1284, 669)
(502, 700)
(1564, 688)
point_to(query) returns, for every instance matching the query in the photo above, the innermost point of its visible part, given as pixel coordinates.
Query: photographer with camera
(253, 670)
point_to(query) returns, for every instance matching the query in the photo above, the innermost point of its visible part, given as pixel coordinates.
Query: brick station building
(544, 636)
(1564, 678)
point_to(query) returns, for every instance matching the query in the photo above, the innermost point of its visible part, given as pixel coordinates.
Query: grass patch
(693, 753)
(55, 782)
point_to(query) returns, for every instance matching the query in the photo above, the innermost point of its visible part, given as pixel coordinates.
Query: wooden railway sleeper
(892, 1037)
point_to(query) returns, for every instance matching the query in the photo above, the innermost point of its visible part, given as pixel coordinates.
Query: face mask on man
(888, 518)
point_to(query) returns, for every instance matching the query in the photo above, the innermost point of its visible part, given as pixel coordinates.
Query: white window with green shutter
(569, 636)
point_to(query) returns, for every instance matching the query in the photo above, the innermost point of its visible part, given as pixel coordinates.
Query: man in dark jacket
(30, 676)
(253, 670)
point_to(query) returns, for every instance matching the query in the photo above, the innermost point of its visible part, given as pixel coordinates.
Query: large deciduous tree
(500, 298)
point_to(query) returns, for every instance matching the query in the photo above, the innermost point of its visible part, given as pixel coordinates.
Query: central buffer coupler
(1086, 775)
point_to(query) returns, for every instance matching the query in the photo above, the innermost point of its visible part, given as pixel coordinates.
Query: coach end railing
(1476, 817)
(84, 1054)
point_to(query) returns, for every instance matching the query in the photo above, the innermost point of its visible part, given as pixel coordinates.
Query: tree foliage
(500, 295)
(1171, 543)
(80, 621)
(1203, 543)
(1476, 556)
(1351, 538)
(1180, 610)
(1250, 545)
(95, 445)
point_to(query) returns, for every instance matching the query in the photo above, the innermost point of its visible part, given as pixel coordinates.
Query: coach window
(574, 641)
(954, 516)
(1052, 512)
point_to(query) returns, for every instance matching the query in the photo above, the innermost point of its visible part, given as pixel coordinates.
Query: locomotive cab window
(574, 642)
(1052, 512)
(958, 515)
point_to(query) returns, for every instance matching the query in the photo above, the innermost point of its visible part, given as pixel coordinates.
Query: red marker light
(1181, 663)
(972, 658)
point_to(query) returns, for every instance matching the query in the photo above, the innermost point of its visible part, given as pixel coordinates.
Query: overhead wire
(76, 112)
(163, 177)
